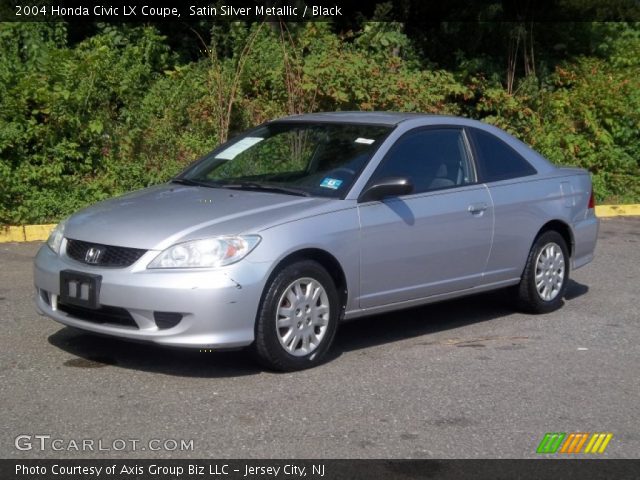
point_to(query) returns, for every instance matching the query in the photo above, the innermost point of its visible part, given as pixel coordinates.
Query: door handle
(477, 208)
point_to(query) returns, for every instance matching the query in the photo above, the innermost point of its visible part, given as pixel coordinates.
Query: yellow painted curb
(26, 233)
(33, 233)
(617, 210)
(37, 232)
(12, 234)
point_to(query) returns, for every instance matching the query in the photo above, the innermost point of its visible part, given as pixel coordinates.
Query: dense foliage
(82, 119)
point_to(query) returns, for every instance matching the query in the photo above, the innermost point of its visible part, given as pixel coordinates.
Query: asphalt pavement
(467, 378)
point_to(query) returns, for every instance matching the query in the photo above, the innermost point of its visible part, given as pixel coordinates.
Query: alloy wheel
(549, 275)
(302, 316)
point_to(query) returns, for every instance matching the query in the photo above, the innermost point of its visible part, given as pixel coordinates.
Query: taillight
(592, 200)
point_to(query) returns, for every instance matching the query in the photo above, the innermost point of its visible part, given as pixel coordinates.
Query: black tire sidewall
(267, 345)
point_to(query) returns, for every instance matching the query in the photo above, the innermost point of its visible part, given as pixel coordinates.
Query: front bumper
(218, 307)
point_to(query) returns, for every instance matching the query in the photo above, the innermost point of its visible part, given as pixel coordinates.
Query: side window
(431, 158)
(497, 160)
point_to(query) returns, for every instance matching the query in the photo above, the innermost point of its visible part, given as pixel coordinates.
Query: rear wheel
(545, 277)
(298, 317)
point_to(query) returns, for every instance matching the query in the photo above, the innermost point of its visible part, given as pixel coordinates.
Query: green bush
(61, 113)
(118, 111)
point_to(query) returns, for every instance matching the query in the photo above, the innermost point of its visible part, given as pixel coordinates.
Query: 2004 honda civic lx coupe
(275, 237)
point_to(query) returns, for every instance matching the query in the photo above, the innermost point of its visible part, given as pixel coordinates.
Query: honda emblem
(93, 255)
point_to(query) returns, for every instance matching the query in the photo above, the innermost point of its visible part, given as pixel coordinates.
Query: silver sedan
(275, 237)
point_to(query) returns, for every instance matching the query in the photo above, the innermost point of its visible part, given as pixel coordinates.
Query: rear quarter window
(497, 160)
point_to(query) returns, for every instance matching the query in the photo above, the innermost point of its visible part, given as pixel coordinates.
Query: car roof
(380, 118)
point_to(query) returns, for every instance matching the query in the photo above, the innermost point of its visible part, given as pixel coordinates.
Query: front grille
(109, 256)
(102, 315)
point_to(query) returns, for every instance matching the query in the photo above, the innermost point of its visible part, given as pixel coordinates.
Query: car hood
(157, 217)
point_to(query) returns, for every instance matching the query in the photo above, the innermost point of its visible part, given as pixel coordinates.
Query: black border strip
(414, 11)
(543, 468)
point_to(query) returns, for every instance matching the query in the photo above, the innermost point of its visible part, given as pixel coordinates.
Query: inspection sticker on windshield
(366, 141)
(332, 183)
(237, 148)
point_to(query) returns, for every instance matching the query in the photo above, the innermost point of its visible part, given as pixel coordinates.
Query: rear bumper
(585, 236)
(218, 307)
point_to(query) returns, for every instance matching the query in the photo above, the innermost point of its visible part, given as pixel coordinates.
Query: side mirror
(386, 187)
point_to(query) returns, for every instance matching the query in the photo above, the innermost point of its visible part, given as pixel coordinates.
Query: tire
(548, 261)
(293, 330)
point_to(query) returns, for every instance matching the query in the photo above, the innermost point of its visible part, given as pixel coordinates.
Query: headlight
(55, 239)
(209, 252)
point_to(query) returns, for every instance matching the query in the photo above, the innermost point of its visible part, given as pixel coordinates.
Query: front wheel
(298, 317)
(545, 277)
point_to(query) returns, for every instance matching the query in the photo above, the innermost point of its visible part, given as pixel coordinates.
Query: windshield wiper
(192, 183)
(265, 188)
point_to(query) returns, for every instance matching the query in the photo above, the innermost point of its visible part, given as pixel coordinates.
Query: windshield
(319, 159)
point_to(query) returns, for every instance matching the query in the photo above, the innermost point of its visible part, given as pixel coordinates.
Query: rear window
(497, 160)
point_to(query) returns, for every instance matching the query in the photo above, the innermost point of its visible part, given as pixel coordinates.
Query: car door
(517, 196)
(435, 240)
